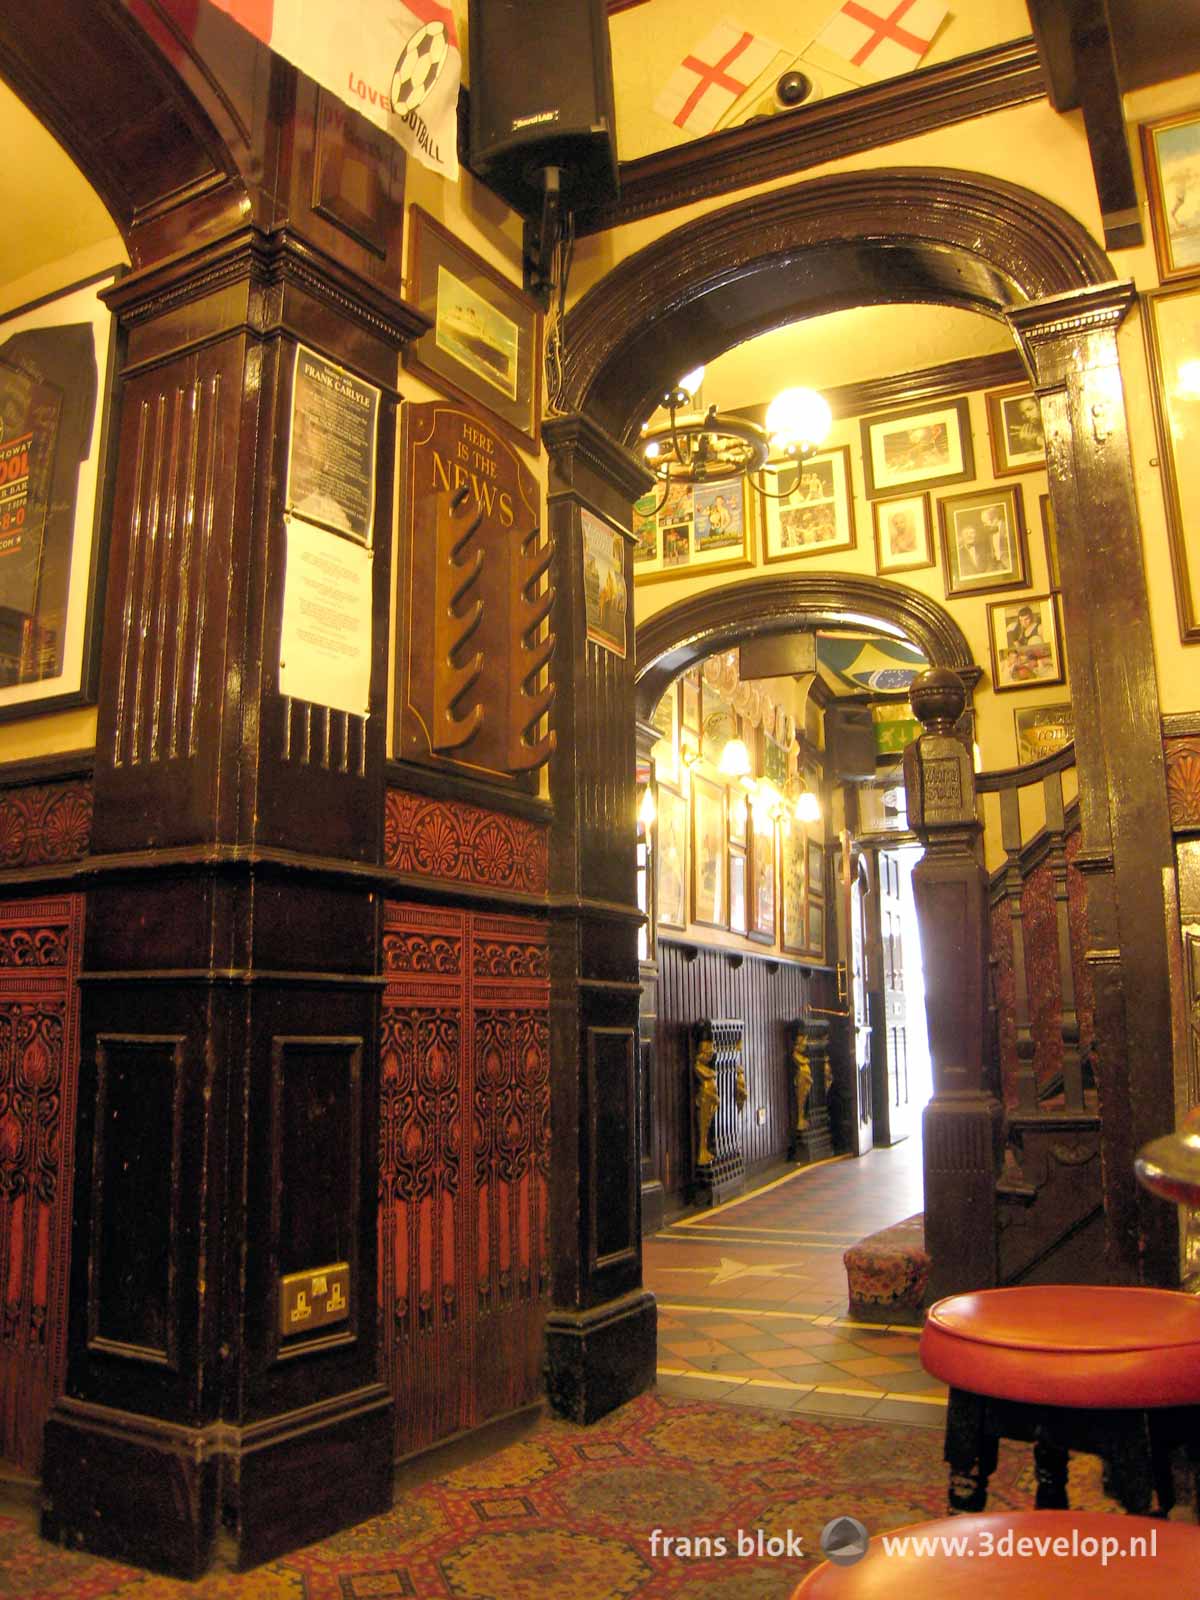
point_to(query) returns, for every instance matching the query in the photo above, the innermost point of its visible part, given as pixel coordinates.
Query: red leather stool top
(995, 1557)
(1068, 1345)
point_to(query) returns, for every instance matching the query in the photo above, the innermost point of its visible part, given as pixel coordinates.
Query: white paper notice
(325, 645)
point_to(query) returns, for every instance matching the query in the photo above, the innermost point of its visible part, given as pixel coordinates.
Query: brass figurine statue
(740, 1092)
(802, 1078)
(706, 1100)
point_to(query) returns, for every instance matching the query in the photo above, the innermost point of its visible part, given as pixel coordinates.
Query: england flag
(713, 76)
(882, 37)
(395, 61)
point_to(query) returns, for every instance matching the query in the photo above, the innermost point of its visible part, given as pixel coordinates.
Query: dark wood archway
(671, 640)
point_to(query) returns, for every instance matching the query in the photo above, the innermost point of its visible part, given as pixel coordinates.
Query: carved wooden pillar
(228, 1124)
(1070, 344)
(601, 1332)
(653, 1193)
(963, 1120)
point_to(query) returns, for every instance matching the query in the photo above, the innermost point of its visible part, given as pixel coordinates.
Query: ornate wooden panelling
(695, 983)
(39, 1029)
(464, 1166)
(1183, 782)
(1042, 970)
(44, 824)
(465, 843)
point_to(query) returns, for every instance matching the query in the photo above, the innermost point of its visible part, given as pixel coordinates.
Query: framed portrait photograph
(762, 876)
(1025, 643)
(1015, 429)
(1171, 153)
(808, 506)
(708, 852)
(1043, 731)
(923, 446)
(983, 541)
(737, 891)
(1172, 318)
(686, 527)
(1050, 531)
(485, 343)
(56, 365)
(816, 929)
(903, 533)
(793, 863)
(672, 858)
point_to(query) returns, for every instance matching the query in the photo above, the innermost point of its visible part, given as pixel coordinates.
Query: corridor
(752, 1297)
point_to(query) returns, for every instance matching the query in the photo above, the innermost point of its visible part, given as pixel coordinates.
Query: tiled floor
(752, 1297)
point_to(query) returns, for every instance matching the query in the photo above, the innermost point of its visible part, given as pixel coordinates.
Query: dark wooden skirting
(47, 769)
(808, 136)
(1181, 725)
(439, 786)
(698, 981)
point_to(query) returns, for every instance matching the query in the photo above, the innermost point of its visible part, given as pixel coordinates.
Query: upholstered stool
(1111, 1371)
(1069, 1558)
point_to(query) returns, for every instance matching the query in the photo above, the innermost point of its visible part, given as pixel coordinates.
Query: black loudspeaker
(542, 96)
(850, 742)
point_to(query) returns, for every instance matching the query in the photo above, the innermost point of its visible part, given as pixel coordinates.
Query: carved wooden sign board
(472, 602)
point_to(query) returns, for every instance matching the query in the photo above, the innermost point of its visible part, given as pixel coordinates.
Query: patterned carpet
(565, 1513)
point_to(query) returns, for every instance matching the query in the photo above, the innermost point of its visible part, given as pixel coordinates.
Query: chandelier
(713, 446)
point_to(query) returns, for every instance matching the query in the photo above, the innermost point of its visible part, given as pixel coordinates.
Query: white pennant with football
(397, 63)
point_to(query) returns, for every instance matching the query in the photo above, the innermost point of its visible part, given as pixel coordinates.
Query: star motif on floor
(730, 1269)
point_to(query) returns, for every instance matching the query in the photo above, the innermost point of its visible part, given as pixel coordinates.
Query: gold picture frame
(1171, 156)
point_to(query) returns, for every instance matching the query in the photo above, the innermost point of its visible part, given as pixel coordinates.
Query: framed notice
(331, 450)
(604, 593)
(55, 377)
(485, 343)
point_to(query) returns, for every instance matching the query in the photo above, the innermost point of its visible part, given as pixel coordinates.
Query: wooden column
(601, 1331)
(1070, 344)
(962, 1122)
(649, 1087)
(228, 1122)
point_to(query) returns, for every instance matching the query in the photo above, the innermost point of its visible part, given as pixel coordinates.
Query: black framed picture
(983, 541)
(921, 447)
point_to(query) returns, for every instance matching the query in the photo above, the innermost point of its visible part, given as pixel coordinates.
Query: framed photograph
(816, 929)
(762, 876)
(816, 867)
(737, 890)
(1050, 530)
(708, 852)
(1015, 429)
(792, 887)
(672, 858)
(983, 541)
(922, 446)
(690, 528)
(739, 815)
(1025, 644)
(666, 750)
(1171, 152)
(1043, 731)
(720, 725)
(808, 507)
(903, 533)
(690, 710)
(485, 343)
(56, 362)
(1173, 338)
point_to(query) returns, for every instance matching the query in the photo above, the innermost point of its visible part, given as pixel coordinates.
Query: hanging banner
(395, 61)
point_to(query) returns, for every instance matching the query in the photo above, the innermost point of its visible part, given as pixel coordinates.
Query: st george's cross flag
(714, 74)
(395, 61)
(882, 37)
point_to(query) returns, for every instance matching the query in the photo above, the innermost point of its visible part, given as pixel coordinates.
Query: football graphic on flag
(419, 67)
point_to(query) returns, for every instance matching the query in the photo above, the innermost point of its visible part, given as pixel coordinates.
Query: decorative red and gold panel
(464, 1165)
(44, 824)
(454, 840)
(40, 943)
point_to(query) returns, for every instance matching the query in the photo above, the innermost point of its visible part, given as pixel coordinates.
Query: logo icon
(843, 1541)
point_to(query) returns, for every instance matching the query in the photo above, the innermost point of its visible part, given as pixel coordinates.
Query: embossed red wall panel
(39, 1033)
(464, 1166)
(42, 824)
(463, 843)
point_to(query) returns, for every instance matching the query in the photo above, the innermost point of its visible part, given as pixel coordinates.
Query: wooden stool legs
(971, 1450)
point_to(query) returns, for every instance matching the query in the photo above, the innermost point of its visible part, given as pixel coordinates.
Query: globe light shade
(808, 807)
(735, 759)
(691, 381)
(798, 417)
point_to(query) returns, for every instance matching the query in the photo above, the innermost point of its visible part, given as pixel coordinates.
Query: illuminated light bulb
(808, 807)
(735, 759)
(647, 811)
(691, 381)
(798, 417)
